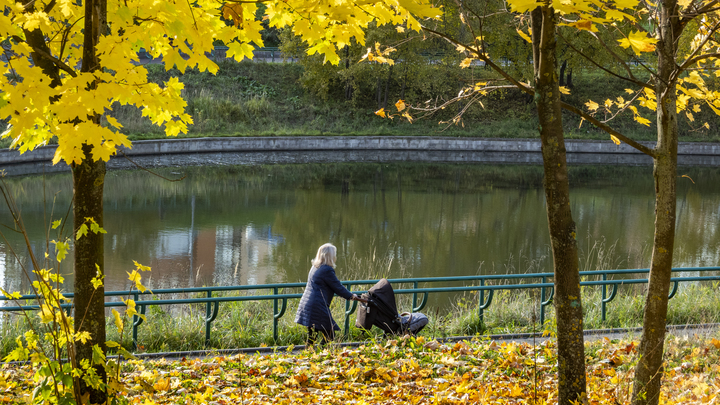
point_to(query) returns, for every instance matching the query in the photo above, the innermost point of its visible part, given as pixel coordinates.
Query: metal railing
(470, 283)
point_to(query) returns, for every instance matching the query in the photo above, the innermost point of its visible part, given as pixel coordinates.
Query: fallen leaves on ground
(402, 371)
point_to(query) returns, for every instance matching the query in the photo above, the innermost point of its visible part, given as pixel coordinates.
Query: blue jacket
(314, 309)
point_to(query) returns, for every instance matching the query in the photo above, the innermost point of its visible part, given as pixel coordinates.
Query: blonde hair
(326, 254)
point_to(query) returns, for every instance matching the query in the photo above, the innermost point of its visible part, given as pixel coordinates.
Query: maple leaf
(381, 113)
(639, 42)
(521, 6)
(234, 12)
(524, 36)
(642, 120)
(400, 105)
(583, 25)
(592, 106)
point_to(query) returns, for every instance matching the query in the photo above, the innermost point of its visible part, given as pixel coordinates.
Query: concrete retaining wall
(177, 152)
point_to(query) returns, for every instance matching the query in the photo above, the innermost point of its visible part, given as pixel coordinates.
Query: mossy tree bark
(88, 183)
(568, 304)
(648, 372)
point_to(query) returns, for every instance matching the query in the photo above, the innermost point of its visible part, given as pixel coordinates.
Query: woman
(322, 285)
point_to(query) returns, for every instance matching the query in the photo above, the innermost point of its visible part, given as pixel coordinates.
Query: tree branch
(707, 8)
(693, 58)
(613, 54)
(629, 79)
(60, 64)
(523, 87)
(642, 148)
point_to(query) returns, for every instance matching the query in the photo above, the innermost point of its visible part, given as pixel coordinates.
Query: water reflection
(260, 224)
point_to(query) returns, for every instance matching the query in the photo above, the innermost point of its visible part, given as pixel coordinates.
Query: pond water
(261, 224)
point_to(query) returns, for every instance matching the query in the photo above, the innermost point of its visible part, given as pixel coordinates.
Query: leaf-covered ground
(403, 371)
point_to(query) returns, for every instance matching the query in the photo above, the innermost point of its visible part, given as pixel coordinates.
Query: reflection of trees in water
(257, 224)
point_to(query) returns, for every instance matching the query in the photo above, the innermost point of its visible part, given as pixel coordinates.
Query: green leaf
(123, 352)
(111, 343)
(81, 232)
(61, 249)
(98, 357)
(55, 224)
(95, 228)
(19, 354)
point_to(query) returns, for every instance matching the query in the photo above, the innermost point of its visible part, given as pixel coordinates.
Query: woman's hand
(356, 298)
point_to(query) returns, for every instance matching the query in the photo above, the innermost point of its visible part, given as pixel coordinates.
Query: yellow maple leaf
(592, 106)
(466, 62)
(400, 105)
(524, 36)
(381, 113)
(408, 116)
(162, 384)
(118, 319)
(684, 3)
(521, 6)
(642, 120)
(615, 139)
(516, 391)
(564, 90)
(624, 4)
(639, 42)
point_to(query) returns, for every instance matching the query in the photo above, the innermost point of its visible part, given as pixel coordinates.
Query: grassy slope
(263, 99)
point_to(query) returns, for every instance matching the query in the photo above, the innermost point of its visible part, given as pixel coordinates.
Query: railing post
(415, 286)
(275, 319)
(347, 318)
(208, 319)
(135, 323)
(542, 300)
(481, 301)
(604, 296)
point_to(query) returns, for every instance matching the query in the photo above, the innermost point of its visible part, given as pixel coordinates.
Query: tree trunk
(562, 72)
(649, 370)
(379, 93)
(348, 84)
(404, 82)
(88, 183)
(387, 86)
(568, 304)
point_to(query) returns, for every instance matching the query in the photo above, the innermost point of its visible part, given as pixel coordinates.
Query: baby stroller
(381, 311)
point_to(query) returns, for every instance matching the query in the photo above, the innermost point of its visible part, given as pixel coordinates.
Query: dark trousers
(320, 336)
